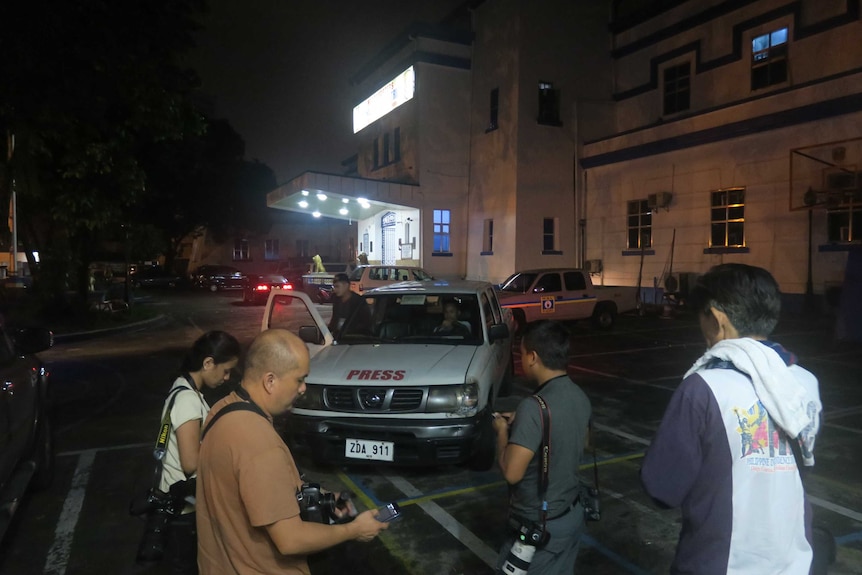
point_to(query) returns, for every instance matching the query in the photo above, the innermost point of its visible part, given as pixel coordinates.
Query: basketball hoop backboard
(826, 175)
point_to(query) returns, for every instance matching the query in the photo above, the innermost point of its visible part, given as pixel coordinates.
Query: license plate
(365, 449)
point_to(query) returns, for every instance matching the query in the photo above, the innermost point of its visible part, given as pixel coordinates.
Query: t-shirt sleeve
(266, 489)
(527, 428)
(673, 459)
(187, 406)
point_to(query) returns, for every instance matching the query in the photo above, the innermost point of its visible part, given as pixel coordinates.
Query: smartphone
(389, 512)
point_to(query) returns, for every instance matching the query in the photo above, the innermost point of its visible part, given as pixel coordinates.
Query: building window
(441, 231)
(302, 248)
(396, 145)
(677, 88)
(375, 159)
(550, 240)
(639, 223)
(240, 250)
(549, 105)
(844, 224)
(769, 59)
(270, 249)
(488, 237)
(495, 109)
(727, 217)
(385, 149)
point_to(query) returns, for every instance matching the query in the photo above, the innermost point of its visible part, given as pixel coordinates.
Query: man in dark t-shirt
(545, 357)
(349, 310)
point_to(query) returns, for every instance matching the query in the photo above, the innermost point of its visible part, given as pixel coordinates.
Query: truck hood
(391, 365)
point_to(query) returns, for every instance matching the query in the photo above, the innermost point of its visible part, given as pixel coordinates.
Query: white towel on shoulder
(784, 397)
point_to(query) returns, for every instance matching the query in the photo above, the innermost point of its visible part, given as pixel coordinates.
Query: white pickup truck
(395, 388)
(564, 294)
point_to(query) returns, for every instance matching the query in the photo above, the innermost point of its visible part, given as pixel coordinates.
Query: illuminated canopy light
(343, 211)
(304, 192)
(303, 204)
(321, 196)
(316, 214)
(345, 200)
(398, 91)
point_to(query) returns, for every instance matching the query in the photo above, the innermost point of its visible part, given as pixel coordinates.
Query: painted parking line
(58, 555)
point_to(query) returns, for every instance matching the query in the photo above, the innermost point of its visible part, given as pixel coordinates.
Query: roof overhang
(329, 196)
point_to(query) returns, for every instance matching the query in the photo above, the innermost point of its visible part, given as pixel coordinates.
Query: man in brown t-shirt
(247, 513)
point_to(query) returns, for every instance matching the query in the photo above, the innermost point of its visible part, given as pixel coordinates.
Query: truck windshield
(451, 319)
(518, 282)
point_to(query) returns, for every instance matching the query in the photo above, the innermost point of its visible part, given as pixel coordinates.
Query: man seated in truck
(452, 324)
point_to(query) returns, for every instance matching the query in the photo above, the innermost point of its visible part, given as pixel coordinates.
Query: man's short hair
(271, 351)
(341, 278)
(749, 296)
(550, 340)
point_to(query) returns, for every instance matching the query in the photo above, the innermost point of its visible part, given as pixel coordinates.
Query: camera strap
(545, 461)
(165, 432)
(246, 405)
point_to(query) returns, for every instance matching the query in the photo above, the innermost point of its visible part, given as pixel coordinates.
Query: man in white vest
(724, 451)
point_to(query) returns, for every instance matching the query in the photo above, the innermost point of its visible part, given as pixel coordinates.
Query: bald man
(248, 514)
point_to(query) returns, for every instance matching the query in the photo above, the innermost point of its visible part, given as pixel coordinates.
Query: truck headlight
(311, 399)
(455, 398)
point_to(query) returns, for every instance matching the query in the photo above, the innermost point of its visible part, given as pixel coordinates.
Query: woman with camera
(207, 365)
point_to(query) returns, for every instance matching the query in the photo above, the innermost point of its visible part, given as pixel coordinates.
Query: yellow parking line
(357, 492)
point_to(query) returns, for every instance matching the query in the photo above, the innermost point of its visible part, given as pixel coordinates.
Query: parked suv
(364, 278)
(215, 278)
(26, 446)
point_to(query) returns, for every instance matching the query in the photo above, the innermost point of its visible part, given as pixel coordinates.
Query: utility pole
(13, 207)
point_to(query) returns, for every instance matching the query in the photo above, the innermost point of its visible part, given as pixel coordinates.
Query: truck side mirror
(310, 334)
(497, 332)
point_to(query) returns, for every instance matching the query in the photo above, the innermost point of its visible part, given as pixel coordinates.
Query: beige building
(673, 137)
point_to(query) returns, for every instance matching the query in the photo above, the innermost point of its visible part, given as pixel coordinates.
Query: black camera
(590, 501)
(319, 507)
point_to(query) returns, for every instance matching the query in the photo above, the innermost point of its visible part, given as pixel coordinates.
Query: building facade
(646, 141)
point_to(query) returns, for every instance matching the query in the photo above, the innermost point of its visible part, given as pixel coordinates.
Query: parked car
(216, 277)
(26, 443)
(368, 277)
(154, 276)
(395, 390)
(256, 288)
(564, 294)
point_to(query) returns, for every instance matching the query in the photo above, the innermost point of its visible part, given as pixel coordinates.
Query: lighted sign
(396, 92)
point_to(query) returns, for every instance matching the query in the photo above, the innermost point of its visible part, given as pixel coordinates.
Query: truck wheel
(213, 288)
(483, 455)
(520, 320)
(604, 316)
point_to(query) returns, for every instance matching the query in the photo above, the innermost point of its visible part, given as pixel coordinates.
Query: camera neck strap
(545, 456)
(246, 405)
(165, 431)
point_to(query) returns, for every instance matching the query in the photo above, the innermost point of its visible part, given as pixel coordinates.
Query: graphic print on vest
(762, 445)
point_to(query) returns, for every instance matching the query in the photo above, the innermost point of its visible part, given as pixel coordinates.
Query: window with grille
(488, 237)
(495, 109)
(727, 218)
(550, 238)
(677, 88)
(240, 250)
(769, 59)
(639, 223)
(441, 230)
(270, 249)
(844, 224)
(549, 104)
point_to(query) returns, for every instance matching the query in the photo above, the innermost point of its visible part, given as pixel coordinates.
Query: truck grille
(374, 399)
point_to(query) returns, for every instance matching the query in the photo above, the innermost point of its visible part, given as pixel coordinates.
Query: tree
(86, 86)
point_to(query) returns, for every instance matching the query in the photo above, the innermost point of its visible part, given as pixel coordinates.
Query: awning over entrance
(341, 197)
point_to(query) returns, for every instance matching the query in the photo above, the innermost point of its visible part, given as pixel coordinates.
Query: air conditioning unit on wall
(659, 200)
(593, 266)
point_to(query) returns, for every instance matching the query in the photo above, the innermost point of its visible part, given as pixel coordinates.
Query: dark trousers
(181, 549)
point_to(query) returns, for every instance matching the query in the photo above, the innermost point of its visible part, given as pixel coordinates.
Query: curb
(84, 335)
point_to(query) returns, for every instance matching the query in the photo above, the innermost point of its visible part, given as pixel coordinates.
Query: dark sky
(278, 71)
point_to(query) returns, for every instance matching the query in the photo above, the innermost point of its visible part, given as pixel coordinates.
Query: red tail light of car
(261, 287)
